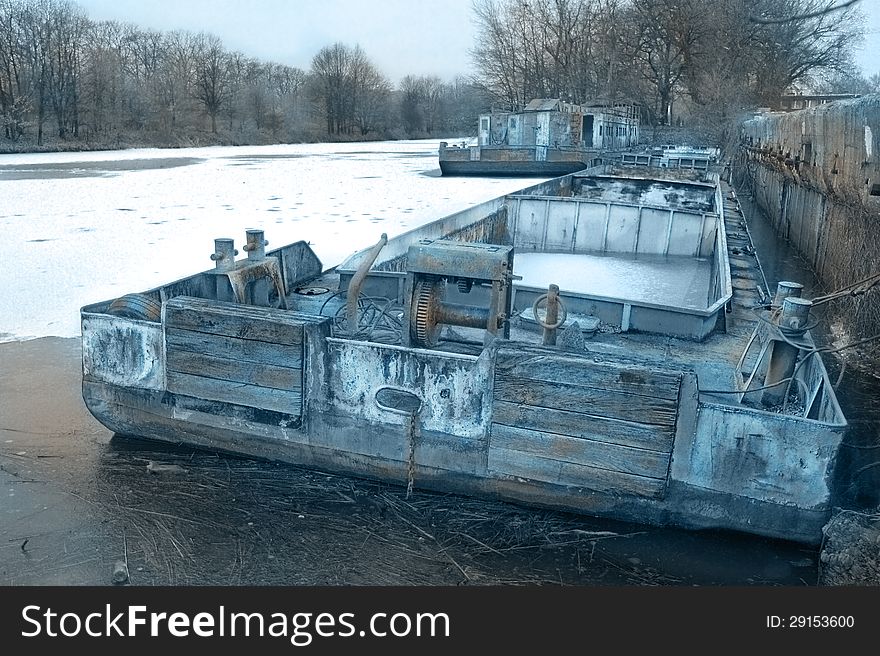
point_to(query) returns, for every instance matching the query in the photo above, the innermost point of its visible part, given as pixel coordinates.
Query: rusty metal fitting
(787, 289)
(795, 316)
(555, 316)
(224, 253)
(256, 245)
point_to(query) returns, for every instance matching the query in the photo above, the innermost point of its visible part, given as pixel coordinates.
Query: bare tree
(211, 76)
(351, 91)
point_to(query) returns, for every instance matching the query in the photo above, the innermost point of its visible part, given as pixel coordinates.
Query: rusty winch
(432, 265)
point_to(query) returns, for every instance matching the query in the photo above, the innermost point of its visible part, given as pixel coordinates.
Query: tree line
(67, 81)
(712, 58)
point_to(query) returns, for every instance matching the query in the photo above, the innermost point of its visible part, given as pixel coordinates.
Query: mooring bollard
(786, 289)
(792, 323)
(258, 290)
(256, 245)
(224, 260)
(552, 315)
(224, 254)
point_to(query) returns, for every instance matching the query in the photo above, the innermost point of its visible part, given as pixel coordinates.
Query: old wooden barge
(549, 137)
(656, 390)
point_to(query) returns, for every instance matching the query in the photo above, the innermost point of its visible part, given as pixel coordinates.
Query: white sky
(422, 37)
(868, 56)
(402, 37)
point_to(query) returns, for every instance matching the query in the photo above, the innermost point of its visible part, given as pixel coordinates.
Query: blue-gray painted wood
(253, 373)
(537, 468)
(587, 426)
(233, 348)
(591, 453)
(557, 368)
(287, 401)
(605, 403)
(230, 319)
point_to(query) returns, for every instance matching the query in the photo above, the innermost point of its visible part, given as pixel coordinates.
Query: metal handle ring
(559, 322)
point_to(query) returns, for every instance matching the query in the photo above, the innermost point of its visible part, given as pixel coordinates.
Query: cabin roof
(543, 105)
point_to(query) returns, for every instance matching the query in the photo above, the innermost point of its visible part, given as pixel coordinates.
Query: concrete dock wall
(816, 174)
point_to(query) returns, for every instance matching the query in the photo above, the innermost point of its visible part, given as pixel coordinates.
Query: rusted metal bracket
(248, 279)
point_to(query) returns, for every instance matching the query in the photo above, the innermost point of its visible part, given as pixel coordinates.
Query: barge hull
(177, 419)
(638, 426)
(512, 168)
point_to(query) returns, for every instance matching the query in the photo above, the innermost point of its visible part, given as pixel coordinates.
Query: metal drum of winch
(432, 265)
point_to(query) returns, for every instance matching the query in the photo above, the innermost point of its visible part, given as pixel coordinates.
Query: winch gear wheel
(424, 328)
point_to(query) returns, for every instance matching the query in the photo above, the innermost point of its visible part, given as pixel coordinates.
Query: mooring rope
(858, 288)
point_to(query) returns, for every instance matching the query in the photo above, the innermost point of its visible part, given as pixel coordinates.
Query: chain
(411, 470)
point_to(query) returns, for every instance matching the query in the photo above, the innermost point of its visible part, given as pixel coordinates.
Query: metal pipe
(552, 315)
(453, 314)
(357, 281)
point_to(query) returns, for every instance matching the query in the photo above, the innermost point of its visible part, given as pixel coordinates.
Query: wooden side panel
(581, 424)
(539, 364)
(242, 321)
(560, 472)
(590, 453)
(226, 391)
(595, 401)
(237, 354)
(571, 421)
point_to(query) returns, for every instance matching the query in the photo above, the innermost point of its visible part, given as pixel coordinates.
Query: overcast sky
(430, 37)
(422, 37)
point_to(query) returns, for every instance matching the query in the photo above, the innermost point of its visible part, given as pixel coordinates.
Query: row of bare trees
(67, 81)
(714, 55)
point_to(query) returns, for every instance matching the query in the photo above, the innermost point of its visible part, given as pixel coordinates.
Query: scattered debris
(572, 338)
(851, 549)
(120, 573)
(155, 468)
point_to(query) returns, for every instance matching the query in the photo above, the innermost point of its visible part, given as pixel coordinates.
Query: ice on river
(85, 227)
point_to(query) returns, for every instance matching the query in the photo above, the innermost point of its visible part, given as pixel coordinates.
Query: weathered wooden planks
(213, 389)
(237, 354)
(581, 371)
(578, 424)
(222, 368)
(232, 320)
(548, 470)
(592, 400)
(592, 453)
(234, 348)
(568, 420)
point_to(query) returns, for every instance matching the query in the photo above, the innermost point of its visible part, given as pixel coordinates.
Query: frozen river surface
(85, 227)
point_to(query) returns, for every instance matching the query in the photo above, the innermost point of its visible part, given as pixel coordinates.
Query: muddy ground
(75, 501)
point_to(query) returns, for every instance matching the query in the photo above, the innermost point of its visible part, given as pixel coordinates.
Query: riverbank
(26, 145)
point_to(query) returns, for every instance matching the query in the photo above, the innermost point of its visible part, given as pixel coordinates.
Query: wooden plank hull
(622, 431)
(177, 419)
(547, 169)
(517, 422)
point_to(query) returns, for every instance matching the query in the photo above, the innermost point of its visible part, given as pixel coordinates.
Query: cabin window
(512, 122)
(484, 124)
